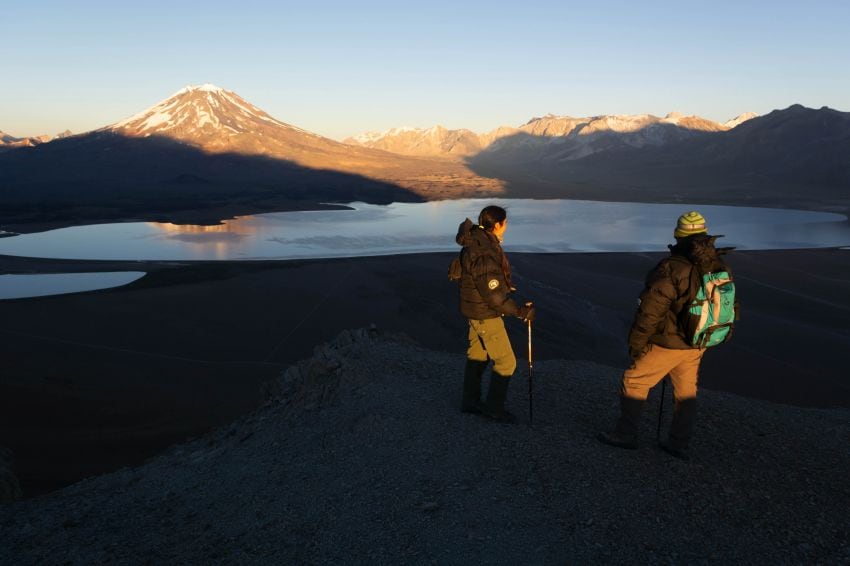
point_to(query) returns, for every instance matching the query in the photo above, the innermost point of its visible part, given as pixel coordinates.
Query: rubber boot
(625, 433)
(496, 395)
(681, 428)
(472, 386)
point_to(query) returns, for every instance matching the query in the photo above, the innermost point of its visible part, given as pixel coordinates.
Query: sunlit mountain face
(572, 138)
(219, 120)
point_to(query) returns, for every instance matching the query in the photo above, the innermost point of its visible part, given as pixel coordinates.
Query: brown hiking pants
(683, 368)
(681, 365)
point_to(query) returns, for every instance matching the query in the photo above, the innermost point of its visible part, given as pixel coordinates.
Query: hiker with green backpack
(688, 304)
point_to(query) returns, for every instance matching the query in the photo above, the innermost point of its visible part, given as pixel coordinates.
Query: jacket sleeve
(491, 285)
(656, 298)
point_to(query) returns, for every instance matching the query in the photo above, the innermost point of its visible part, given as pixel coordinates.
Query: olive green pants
(488, 340)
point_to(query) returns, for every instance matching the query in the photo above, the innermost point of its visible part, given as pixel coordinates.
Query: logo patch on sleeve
(493, 283)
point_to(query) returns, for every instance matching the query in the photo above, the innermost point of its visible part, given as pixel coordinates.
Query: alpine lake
(534, 226)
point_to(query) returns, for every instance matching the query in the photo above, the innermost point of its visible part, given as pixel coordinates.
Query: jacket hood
(469, 233)
(700, 250)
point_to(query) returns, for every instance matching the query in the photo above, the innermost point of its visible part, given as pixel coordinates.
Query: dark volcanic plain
(96, 381)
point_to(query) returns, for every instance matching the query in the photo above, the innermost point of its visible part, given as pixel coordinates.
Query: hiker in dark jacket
(485, 288)
(657, 344)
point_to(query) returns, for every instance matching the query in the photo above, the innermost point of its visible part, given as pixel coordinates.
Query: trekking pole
(530, 380)
(661, 408)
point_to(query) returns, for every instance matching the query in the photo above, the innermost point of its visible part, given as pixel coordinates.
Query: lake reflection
(534, 226)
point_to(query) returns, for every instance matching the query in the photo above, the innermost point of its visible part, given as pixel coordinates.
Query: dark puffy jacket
(669, 286)
(485, 281)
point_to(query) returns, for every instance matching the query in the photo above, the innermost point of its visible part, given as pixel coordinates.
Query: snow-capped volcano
(212, 118)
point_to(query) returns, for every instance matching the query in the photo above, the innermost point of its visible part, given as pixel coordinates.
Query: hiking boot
(675, 451)
(682, 425)
(629, 420)
(472, 386)
(616, 439)
(494, 408)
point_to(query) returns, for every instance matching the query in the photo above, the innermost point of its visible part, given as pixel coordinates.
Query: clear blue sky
(340, 68)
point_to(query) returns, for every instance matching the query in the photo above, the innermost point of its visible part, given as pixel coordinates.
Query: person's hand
(527, 312)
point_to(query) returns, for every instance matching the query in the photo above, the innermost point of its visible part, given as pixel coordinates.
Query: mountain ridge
(438, 141)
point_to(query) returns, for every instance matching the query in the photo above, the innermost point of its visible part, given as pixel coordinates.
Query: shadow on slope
(344, 464)
(797, 157)
(108, 176)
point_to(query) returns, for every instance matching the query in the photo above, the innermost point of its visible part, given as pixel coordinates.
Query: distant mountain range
(796, 157)
(8, 141)
(582, 136)
(206, 148)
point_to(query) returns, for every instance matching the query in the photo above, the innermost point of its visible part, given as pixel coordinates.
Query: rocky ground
(362, 456)
(10, 488)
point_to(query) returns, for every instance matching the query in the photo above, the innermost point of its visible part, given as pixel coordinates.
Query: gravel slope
(362, 456)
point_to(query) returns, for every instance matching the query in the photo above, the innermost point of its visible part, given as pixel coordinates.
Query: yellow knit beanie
(689, 224)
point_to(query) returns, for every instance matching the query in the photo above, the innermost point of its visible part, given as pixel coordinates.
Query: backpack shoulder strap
(694, 283)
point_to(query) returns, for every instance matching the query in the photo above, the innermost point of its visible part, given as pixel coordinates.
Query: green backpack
(711, 314)
(708, 317)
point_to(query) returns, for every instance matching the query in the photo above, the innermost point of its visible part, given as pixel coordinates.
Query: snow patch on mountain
(738, 120)
(206, 87)
(367, 137)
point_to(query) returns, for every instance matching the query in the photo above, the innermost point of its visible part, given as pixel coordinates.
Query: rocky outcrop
(10, 489)
(315, 382)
